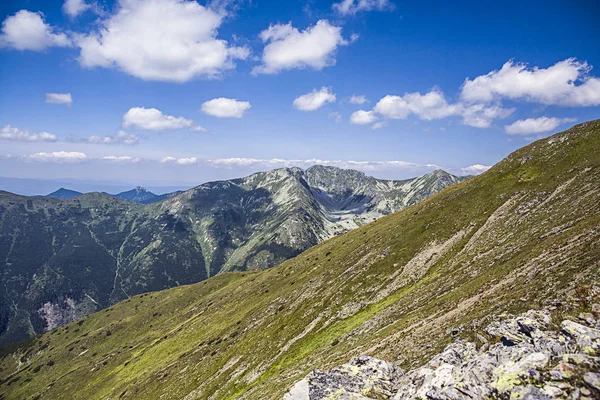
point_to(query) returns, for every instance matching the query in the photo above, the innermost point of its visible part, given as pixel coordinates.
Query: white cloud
(289, 48)
(379, 125)
(358, 99)
(162, 40)
(121, 159)
(481, 116)
(476, 169)
(362, 117)
(225, 108)
(153, 119)
(566, 83)
(351, 7)
(75, 7)
(535, 125)
(198, 128)
(314, 100)
(179, 161)
(59, 157)
(352, 164)
(27, 30)
(59, 98)
(433, 105)
(120, 137)
(15, 134)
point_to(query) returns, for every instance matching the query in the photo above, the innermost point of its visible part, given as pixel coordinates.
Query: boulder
(530, 361)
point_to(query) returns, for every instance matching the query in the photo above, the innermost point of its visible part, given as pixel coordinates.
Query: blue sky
(118, 63)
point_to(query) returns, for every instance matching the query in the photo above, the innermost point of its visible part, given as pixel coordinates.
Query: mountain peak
(63, 193)
(439, 172)
(138, 195)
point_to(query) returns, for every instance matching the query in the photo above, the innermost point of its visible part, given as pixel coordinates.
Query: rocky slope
(62, 259)
(399, 289)
(530, 361)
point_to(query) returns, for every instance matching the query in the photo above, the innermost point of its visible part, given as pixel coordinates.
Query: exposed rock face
(97, 250)
(530, 361)
(362, 376)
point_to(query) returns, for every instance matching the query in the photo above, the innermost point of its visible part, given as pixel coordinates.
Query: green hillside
(64, 259)
(516, 237)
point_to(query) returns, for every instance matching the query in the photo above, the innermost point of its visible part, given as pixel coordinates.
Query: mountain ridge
(67, 258)
(524, 233)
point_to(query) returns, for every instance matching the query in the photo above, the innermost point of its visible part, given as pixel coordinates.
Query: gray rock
(361, 378)
(528, 392)
(592, 379)
(587, 338)
(530, 362)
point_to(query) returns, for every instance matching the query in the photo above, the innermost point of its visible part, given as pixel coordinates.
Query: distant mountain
(139, 195)
(67, 258)
(447, 271)
(144, 196)
(63, 193)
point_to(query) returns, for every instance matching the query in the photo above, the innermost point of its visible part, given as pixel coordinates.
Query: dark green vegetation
(137, 195)
(63, 193)
(514, 238)
(144, 196)
(63, 259)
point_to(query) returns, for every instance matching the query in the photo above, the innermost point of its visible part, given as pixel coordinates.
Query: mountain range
(138, 195)
(66, 258)
(522, 235)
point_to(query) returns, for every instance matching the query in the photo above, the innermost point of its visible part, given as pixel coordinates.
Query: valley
(66, 258)
(522, 236)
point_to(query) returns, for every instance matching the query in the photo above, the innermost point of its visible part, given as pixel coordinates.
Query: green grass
(184, 341)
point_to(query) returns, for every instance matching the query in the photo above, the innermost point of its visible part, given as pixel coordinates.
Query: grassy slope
(524, 232)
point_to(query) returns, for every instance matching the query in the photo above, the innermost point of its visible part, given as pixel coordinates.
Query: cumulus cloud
(15, 134)
(225, 108)
(358, 99)
(59, 157)
(566, 83)
(433, 105)
(121, 159)
(59, 98)
(315, 99)
(362, 117)
(351, 7)
(535, 125)
(120, 137)
(179, 161)
(475, 169)
(75, 7)
(198, 128)
(153, 119)
(27, 30)
(379, 125)
(288, 48)
(162, 40)
(481, 116)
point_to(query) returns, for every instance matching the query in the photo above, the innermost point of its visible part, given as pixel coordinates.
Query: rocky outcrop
(529, 360)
